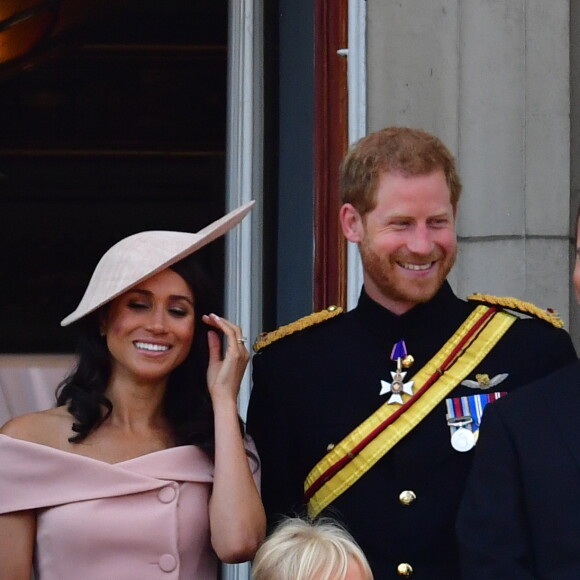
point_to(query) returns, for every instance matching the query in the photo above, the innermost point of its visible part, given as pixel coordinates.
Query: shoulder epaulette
(518, 305)
(267, 338)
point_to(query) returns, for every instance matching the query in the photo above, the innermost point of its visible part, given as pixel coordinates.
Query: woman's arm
(237, 519)
(17, 529)
(17, 535)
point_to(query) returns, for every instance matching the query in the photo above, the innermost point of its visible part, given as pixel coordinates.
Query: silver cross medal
(397, 386)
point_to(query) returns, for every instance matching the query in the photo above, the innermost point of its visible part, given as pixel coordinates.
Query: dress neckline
(177, 449)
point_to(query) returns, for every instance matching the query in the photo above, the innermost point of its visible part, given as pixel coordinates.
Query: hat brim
(143, 255)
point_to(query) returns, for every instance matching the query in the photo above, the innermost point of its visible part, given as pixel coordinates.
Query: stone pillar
(491, 78)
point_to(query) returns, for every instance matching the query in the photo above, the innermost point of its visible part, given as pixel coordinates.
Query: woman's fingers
(215, 346)
(235, 338)
(225, 372)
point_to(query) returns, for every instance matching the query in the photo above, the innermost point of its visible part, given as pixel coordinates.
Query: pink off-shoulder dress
(145, 518)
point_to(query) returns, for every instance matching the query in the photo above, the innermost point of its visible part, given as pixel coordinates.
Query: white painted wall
(243, 291)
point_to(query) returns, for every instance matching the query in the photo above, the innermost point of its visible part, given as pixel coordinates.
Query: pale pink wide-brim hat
(143, 255)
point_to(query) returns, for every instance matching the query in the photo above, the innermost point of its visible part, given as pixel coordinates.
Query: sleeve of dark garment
(564, 351)
(492, 529)
(268, 424)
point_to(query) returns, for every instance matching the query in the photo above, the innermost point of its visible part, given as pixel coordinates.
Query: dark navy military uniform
(313, 387)
(520, 515)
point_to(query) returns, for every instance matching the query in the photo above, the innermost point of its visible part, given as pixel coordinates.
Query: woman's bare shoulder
(44, 427)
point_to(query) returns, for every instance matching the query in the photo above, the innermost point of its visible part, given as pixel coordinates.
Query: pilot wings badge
(483, 382)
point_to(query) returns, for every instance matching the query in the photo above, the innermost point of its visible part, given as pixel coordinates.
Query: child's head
(299, 550)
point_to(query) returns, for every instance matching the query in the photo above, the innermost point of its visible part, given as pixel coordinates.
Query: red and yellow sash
(366, 444)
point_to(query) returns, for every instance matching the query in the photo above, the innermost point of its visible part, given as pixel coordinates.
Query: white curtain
(28, 382)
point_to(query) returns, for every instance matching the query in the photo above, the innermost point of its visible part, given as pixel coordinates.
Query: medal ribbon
(367, 443)
(470, 408)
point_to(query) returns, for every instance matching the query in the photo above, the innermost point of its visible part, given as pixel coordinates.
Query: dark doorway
(120, 129)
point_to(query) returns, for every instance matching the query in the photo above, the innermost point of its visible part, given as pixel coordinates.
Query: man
(520, 517)
(342, 416)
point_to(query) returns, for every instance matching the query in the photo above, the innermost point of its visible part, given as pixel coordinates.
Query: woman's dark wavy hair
(187, 404)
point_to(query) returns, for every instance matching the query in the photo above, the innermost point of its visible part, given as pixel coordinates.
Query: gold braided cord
(267, 338)
(519, 306)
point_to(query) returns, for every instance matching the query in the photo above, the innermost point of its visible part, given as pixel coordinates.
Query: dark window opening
(121, 129)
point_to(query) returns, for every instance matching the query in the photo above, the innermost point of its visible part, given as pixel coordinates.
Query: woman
(301, 550)
(141, 471)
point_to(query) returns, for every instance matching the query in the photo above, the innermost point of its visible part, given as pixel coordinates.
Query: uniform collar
(444, 311)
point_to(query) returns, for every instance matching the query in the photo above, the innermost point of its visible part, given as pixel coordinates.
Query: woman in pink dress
(142, 471)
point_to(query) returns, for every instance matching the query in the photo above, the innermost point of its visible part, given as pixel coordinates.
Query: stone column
(491, 78)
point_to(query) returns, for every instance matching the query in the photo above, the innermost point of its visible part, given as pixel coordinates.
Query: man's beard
(389, 278)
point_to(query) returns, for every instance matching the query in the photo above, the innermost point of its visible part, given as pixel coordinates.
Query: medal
(397, 387)
(464, 417)
(462, 440)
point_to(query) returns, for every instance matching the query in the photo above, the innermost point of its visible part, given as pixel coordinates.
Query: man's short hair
(402, 150)
(299, 550)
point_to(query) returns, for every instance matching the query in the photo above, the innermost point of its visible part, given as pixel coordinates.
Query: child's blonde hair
(300, 550)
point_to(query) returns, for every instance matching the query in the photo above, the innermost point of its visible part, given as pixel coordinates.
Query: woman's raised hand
(224, 374)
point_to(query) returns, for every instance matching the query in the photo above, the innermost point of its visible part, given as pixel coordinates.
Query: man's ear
(352, 223)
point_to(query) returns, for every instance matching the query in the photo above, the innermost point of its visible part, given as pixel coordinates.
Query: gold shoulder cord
(518, 305)
(267, 338)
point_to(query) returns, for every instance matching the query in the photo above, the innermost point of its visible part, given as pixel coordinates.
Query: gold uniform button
(407, 497)
(405, 570)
